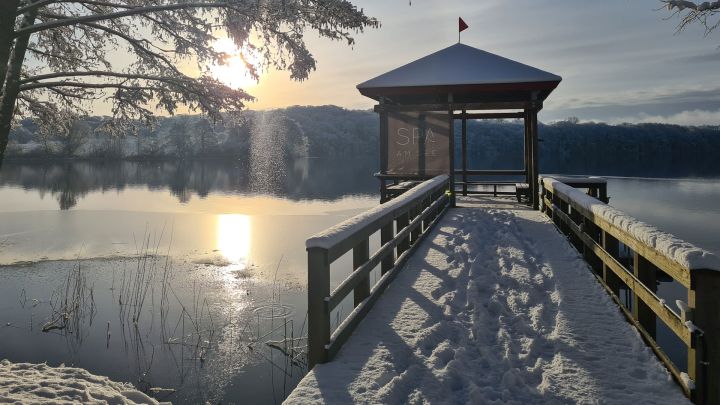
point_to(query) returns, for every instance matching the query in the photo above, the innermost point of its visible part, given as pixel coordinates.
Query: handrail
(413, 213)
(596, 229)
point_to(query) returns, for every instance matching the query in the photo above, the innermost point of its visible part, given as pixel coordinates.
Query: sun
(234, 72)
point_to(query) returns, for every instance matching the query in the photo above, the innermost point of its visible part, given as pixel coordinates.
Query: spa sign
(418, 143)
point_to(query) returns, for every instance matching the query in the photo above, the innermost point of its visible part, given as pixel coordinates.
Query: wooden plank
(643, 292)
(673, 269)
(489, 116)
(507, 105)
(509, 172)
(493, 193)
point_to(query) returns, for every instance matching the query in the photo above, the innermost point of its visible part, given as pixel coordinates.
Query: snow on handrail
(334, 235)
(681, 252)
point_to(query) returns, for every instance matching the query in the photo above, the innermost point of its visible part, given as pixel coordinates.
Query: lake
(192, 277)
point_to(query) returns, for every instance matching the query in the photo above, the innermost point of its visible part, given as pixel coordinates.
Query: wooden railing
(597, 230)
(402, 223)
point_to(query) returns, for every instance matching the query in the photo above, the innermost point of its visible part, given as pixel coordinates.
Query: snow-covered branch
(694, 12)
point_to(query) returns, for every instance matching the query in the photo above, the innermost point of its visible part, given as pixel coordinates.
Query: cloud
(644, 105)
(704, 57)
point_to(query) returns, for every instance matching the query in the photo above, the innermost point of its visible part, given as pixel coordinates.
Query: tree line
(333, 132)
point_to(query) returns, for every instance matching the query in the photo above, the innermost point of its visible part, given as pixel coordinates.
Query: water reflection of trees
(68, 182)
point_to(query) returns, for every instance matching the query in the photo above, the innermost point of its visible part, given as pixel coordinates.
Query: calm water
(192, 277)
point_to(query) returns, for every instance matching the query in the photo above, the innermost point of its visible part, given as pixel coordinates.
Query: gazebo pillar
(534, 161)
(452, 153)
(526, 149)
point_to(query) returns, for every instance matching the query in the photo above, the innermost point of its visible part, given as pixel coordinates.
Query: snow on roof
(460, 64)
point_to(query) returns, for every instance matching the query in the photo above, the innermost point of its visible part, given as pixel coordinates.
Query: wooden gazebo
(418, 104)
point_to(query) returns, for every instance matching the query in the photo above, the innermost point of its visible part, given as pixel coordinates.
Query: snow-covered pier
(493, 304)
(493, 301)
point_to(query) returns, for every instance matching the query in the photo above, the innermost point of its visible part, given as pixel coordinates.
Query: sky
(620, 60)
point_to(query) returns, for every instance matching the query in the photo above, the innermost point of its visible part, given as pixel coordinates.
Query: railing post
(603, 193)
(361, 254)
(612, 246)
(318, 314)
(704, 301)
(415, 234)
(592, 231)
(387, 233)
(645, 272)
(402, 222)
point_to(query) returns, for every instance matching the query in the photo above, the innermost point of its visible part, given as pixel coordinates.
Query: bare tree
(57, 57)
(692, 12)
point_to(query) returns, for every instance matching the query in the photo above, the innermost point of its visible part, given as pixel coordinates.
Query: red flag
(461, 25)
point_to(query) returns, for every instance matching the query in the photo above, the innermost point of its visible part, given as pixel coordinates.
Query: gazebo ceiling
(471, 75)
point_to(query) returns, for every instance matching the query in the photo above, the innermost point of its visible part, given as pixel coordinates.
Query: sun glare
(233, 238)
(234, 73)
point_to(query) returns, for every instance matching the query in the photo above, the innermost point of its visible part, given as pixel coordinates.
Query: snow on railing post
(361, 254)
(318, 313)
(704, 355)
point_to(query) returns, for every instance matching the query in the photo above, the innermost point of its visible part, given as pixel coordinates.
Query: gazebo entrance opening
(419, 103)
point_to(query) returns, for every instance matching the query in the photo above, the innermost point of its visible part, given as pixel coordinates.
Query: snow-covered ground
(495, 307)
(25, 383)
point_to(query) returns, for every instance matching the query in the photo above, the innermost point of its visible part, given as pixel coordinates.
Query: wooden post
(386, 235)
(401, 222)
(612, 246)
(645, 272)
(318, 314)
(383, 151)
(361, 254)
(452, 153)
(526, 155)
(534, 158)
(591, 230)
(464, 153)
(603, 193)
(415, 234)
(704, 301)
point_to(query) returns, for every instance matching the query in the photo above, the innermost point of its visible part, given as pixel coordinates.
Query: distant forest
(334, 132)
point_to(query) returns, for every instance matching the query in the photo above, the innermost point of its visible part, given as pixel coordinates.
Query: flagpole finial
(462, 26)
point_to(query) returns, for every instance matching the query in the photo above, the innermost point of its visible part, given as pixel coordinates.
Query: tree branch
(118, 14)
(101, 73)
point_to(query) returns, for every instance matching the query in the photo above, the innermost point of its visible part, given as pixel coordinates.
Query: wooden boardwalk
(494, 306)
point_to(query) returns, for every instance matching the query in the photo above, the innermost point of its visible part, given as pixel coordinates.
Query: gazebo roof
(470, 74)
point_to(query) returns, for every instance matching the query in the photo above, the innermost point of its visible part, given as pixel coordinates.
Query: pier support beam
(704, 354)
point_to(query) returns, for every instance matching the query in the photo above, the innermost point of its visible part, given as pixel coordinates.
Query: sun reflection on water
(233, 238)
